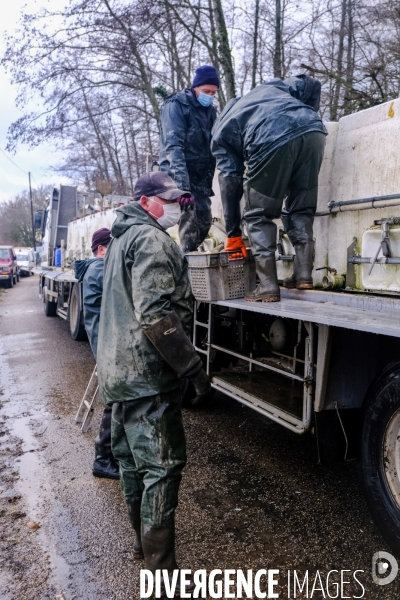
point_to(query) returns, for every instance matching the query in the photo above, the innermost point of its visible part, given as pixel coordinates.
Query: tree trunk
(147, 87)
(135, 151)
(339, 68)
(105, 174)
(255, 45)
(224, 50)
(128, 158)
(278, 40)
(214, 52)
(350, 57)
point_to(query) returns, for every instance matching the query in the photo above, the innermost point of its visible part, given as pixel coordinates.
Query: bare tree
(15, 216)
(102, 68)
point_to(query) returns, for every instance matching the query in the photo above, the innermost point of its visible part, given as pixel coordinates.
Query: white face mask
(171, 216)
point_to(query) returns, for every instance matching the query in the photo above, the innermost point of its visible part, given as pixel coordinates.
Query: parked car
(9, 271)
(25, 260)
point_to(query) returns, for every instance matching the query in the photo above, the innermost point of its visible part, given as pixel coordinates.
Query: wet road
(252, 496)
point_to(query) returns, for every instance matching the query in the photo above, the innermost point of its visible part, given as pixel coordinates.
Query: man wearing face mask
(186, 122)
(145, 352)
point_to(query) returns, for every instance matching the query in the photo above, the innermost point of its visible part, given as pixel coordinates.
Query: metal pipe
(372, 199)
(258, 363)
(300, 429)
(335, 207)
(383, 260)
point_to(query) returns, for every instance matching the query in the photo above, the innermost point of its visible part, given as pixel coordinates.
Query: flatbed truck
(324, 361)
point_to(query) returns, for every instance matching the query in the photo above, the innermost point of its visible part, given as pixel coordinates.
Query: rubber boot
(302, 268)
(134, 517)
(104, 463)
(268, 288)
(104, 466)
(159, 552)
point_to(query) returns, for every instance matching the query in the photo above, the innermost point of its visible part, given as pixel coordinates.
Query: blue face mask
(205, 99)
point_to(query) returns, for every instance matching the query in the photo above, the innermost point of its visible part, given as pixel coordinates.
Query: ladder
(86, 407)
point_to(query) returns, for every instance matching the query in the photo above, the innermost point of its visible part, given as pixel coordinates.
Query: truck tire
(380, 452)
(78, 331)
(10, 282)
(50, 308)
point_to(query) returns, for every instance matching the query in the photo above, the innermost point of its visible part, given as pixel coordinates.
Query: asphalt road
(252, 496)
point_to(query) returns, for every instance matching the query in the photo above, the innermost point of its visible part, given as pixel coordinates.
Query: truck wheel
(10, 282)
(78, 331)
(380, 453)
(18, 276)
(50, 308)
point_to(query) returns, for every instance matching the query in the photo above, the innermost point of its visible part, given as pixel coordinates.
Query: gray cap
(157, 183)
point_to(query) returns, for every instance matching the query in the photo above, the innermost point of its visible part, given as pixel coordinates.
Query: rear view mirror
(37, 219)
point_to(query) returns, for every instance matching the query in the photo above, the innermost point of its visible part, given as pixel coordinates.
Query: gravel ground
(252, 496)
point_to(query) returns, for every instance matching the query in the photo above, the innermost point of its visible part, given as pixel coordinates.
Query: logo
(384, 568)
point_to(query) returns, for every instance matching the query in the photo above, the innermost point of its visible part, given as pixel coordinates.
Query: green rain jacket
(145, 278)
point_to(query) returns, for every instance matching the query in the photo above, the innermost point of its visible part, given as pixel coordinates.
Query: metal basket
(215, 277)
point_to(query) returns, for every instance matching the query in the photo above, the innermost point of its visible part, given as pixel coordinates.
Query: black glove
(168, 336)
(231, 194)
(202, 385)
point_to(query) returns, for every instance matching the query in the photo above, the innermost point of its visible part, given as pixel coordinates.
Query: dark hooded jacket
(145, 278)
(272, 114)
(90, 273)
(185, 136)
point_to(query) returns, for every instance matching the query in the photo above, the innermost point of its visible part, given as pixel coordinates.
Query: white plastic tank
(383, 277)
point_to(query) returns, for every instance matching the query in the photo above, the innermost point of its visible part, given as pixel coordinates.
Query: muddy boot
(268, 288)
(302, 268)
(159, 553)
(104, 464)
(134, 517)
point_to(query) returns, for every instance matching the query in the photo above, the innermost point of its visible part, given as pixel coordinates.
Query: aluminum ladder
(86, 407)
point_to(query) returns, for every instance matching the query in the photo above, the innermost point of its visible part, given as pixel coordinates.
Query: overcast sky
(12, 179)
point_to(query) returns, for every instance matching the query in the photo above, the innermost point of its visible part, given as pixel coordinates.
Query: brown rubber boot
(268, 288)
(134, 517)
(302, 268)
(159, 552)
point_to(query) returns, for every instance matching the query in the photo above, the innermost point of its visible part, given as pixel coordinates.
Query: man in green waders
(144, 352)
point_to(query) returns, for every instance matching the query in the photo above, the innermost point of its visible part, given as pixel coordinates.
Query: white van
(25, 260)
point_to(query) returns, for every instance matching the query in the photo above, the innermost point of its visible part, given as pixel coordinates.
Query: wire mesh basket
(215, 277)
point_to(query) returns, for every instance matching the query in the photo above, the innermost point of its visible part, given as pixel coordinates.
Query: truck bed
(360, 312)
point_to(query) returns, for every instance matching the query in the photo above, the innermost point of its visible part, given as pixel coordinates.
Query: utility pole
(33, 225)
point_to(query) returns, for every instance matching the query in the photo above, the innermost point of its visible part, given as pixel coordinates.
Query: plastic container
(57, 257)
(214, 277)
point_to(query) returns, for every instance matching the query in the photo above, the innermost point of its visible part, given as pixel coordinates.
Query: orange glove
(236, 243)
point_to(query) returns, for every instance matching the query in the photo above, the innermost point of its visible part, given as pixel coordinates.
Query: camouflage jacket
(250, 128)
(145, 278)
(185, 144)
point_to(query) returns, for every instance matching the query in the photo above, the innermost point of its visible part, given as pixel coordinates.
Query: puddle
(33, 487)
(26, 417)
(32, 484)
